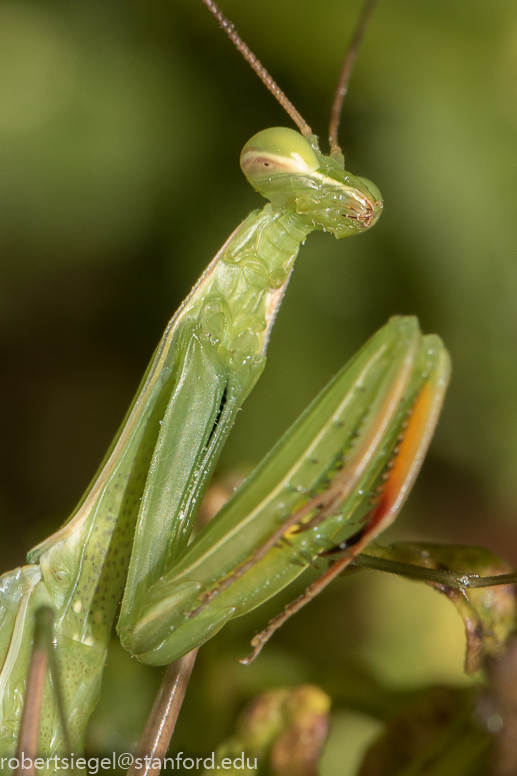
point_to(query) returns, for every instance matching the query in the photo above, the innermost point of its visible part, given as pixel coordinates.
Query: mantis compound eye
(372, 188)
(277, 151)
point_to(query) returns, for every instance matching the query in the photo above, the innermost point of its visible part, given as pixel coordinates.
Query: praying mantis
(203, 370)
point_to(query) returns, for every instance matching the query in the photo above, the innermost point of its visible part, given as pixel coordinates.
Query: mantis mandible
(339, 476)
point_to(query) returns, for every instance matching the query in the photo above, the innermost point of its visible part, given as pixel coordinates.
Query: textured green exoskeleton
(160, 463)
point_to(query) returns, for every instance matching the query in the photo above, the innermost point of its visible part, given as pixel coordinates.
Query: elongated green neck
(248, 283)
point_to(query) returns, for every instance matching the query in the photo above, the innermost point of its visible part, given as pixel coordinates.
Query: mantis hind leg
(42, 662)
(161, 722)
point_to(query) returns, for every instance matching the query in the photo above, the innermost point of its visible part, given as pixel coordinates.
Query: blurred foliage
(288, 726)
(121, 123)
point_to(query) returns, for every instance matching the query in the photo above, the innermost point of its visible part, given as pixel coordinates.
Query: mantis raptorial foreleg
(363, 439)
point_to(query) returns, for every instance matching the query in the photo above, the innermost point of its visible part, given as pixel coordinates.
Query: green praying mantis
(336, 479)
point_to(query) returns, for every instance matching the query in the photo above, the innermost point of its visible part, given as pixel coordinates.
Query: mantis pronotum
(329, 480)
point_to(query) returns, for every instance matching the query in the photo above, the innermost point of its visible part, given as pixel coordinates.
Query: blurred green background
(121, 124)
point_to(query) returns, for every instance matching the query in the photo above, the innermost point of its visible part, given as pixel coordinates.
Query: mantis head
(288, 168)
(290, 171)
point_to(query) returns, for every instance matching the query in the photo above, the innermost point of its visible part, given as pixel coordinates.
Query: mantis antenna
(346, 72)
(258, 67)
(270, 83)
